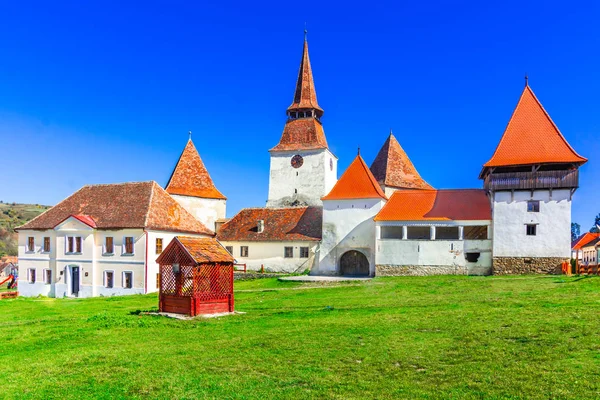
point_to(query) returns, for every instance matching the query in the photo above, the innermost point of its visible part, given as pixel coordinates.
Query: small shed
(196, 277)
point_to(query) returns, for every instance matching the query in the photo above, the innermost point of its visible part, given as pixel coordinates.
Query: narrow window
(288, 252)
(243, 251)
(78, 244)
(30, 243)
(229, 249)
(531, 230)
(47, 245)
(303, 252)
(31, 275)
(127, 279)
(159, 245)
(70, 245)
(109, 247)
(109, 279)
(533, 206)
(48, 276)
(158, 280)
(129, 245)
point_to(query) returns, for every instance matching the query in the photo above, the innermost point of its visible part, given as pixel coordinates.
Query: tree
(596, 224)
(575, 230)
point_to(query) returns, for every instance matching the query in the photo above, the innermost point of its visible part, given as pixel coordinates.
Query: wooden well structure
(196, 277)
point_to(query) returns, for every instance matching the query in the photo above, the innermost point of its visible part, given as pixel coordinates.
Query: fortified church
(382, 219)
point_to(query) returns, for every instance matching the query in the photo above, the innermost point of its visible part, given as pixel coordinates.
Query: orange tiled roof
(392, 167)
(357, 182)
(305, 96)
(436, 205)
(302, 134)
(205, 249)
(280, 224)
(120, 206)
(583, 240)
(190, 177)
(532, 138)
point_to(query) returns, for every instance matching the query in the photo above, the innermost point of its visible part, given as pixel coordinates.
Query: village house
(103, 240)
(589, 252)
(581, 241)
(8, 265)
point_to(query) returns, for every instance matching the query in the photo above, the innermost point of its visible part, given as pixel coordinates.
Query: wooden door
(75, 281)
(354, 263)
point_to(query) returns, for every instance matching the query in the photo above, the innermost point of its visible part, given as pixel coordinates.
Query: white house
(531, 179)
(103, 240)
(278, 239)
(191, 185)
(589, 252)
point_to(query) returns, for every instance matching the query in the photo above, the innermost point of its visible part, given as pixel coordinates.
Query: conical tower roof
(191, 178)
(393, 168)
(531, 137)
(356, 182)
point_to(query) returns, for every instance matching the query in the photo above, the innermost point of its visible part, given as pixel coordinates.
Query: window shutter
(123, 246)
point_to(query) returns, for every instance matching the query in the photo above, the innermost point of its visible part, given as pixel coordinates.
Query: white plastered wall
(313, 180)
(271, 255)
(347, 225)
(206, 211)
(553, 221)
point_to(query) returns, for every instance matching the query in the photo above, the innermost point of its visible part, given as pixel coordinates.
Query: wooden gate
(354, 263)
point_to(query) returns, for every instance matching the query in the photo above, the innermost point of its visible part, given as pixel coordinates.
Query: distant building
(589, 252)
(103, 240)
(581, 241)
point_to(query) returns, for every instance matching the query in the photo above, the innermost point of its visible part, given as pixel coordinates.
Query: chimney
(261, 225)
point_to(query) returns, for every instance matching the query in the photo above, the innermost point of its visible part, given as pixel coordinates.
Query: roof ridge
(372, 179)
(150, 198)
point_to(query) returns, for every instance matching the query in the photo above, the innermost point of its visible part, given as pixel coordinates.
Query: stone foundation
(419, 270)
(527, 265)
(241, 276)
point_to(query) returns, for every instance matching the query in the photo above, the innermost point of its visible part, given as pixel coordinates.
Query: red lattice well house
(196, 277)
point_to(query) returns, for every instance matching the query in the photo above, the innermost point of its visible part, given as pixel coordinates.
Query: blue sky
(106, 92)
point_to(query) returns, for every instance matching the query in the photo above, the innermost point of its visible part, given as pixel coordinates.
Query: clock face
(297, 161)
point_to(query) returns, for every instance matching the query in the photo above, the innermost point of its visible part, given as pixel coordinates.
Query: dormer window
(260, 226)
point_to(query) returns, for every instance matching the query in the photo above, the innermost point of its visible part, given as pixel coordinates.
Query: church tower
(303, 169)
(531, 179)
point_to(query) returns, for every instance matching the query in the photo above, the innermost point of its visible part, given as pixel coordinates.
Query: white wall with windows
(207, 211)
(527, 224)
(465, 245)
(272, 255)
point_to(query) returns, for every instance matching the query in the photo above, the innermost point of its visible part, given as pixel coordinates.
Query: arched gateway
(354, 263)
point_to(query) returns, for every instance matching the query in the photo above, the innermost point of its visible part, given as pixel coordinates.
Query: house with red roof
(102, 240)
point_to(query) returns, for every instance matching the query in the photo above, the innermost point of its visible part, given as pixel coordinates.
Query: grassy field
(429, 337)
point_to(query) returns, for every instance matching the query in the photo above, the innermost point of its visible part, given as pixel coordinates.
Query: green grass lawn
(413, 337)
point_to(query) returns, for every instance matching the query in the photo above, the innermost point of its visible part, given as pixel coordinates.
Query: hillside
(13, 215)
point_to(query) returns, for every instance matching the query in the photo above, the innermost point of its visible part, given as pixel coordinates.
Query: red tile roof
(305, 96)
(532, 138)
(392, 167)
(302, 134)
(191, 178)
(583, 240)
(86, 219)
(120, 206)
(437, 205)
(280, 224)
(205, 249)
(357, 182)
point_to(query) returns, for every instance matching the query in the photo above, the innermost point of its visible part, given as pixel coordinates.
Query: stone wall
(419, 270)
(526, 265)
(241, 276)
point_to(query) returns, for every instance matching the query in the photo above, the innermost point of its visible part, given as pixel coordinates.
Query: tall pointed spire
(305, 96)
(303, 129)
(393, 168)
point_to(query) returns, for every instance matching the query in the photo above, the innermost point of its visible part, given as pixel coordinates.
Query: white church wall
(206, 211)
(347, 225)
(271, 255)
(308, 183)
(553, 223)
